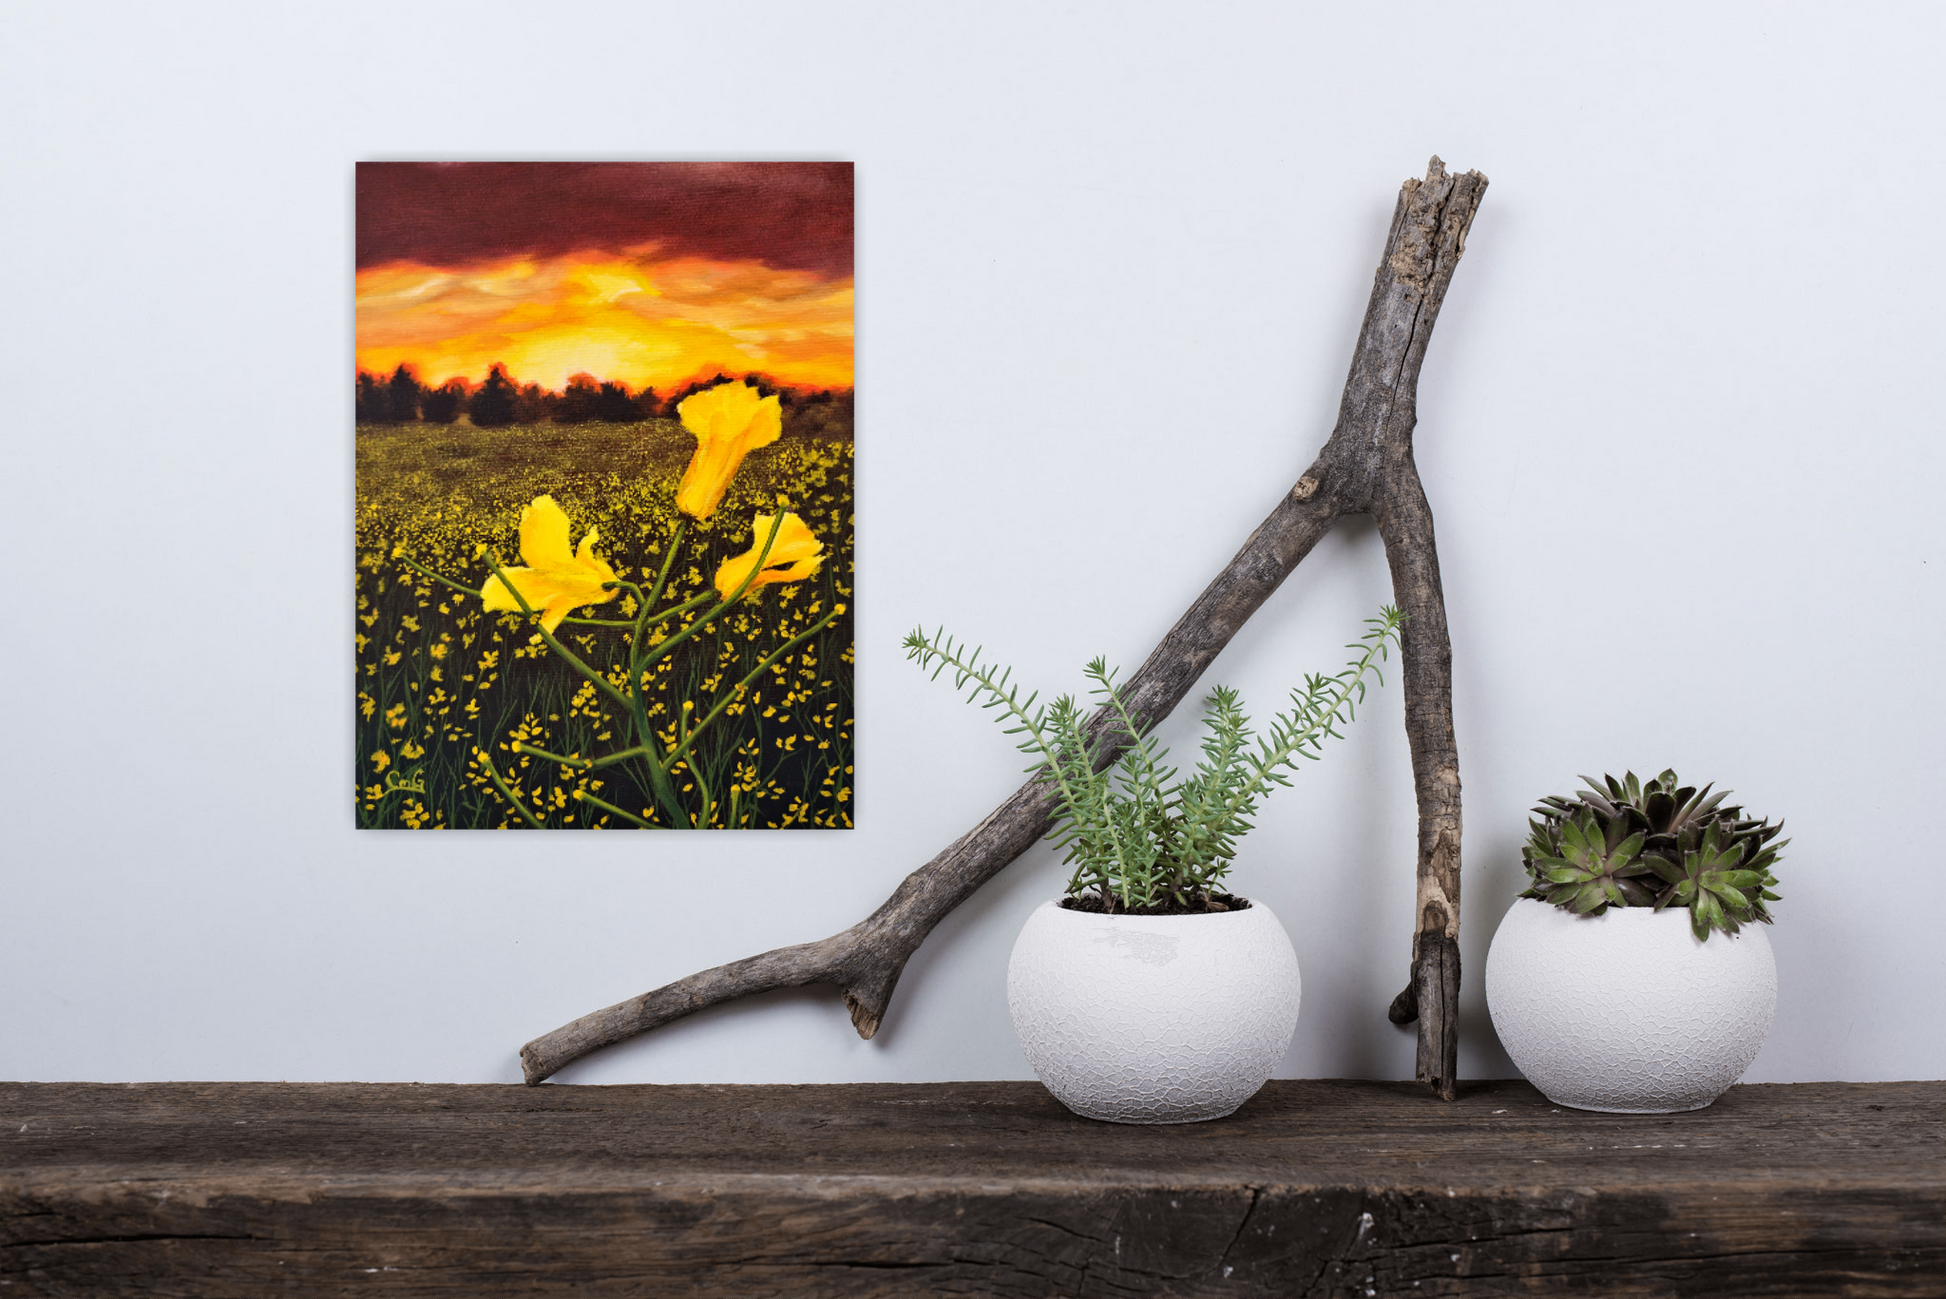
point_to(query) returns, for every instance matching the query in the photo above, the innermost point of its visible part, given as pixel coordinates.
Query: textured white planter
(1626, 1012)
(1153, 1019)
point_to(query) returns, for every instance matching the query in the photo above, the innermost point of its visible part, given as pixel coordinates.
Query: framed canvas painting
(604, 495)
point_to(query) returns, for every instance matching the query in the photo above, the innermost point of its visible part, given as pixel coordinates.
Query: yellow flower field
(451, 696)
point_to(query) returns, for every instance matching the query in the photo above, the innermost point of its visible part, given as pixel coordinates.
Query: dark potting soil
(1092, 903)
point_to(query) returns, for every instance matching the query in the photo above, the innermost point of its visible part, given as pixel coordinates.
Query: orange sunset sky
(651, 274)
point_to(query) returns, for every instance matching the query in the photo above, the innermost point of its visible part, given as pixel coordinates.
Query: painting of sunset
(604, 495)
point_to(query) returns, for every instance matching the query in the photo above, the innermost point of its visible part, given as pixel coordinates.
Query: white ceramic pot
(1153, 1019)
(1626, 1012)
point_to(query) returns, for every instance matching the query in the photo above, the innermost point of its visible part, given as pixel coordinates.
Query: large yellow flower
(794, 556)
(729, 421)
(557, 580)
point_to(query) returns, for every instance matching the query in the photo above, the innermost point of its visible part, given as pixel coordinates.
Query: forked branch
(1366, 467)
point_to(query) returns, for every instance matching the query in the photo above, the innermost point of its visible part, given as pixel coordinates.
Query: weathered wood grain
(1366, 467)
(1312, 1189)
(1371, 448)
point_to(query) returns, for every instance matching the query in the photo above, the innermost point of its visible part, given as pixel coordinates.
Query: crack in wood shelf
(1314, 1188)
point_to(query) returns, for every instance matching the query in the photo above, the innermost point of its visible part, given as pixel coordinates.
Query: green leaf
(1666, 869)
(1699, 924)
(1729, 896)
(1637, 895)
(1660, 809)
(1687, 846)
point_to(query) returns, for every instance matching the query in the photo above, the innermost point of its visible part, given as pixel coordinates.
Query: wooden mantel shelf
(1312, 1189)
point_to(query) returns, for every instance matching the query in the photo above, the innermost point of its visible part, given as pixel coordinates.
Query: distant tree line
(500, 400)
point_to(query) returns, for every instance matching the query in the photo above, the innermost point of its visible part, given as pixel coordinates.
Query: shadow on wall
(1370, 1045)
(1496, 878)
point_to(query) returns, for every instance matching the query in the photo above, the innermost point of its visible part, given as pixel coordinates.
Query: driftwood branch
(1366, 467)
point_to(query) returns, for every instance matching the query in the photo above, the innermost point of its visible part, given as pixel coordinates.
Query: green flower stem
(467, 590)
(521, 746)
(702, 789)
(645, 623)
(486, 761)
(657, 769)
(728, 602)
(646, 744)
(729, 696)
(637, 752)
(647, 747)
(573, 660)
(635, 626)
(658, 778)
(630, 587)
(665, 791)
(645, 620)
(659, 783)
(668, 563)
(582, 796)
(415, 565)
(673, 610)
(642, 619)
(638, 664)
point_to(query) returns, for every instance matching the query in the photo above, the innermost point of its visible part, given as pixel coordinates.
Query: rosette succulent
(1660, 843)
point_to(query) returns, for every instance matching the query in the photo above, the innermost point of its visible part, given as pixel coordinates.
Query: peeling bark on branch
(1366, 467)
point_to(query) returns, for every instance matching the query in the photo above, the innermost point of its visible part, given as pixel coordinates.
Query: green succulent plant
(1138, 835)
(1660, 843)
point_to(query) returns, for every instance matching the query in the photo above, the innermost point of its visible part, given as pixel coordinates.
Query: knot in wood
(1306, 488)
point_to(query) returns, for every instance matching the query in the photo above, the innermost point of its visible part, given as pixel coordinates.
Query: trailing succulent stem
(1625, 843)
(1136, 834)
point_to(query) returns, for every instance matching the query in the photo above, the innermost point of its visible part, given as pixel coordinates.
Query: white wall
(1679, 426)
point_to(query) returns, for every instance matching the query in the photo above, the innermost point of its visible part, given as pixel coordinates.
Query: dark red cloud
(787, 215)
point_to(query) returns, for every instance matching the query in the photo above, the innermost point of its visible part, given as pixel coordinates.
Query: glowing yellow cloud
(631, 319)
